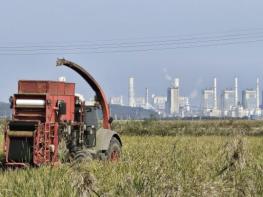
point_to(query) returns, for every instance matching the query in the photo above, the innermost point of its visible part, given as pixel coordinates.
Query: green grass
(154, 166)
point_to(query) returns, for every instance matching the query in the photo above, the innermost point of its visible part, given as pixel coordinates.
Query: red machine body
(36, 104)
(46, 113)
(51, 92)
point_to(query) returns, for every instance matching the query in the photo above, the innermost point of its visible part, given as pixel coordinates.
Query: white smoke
(195, 92)
(166, 75)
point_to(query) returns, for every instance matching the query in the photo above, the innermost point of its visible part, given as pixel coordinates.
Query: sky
(48, 23)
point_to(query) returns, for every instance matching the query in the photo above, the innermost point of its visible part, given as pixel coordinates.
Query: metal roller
(30, 102)
(20, 133)
(22, 126)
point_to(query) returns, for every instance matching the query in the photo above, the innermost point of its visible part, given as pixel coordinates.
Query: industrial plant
(214, 103)
(231, 107)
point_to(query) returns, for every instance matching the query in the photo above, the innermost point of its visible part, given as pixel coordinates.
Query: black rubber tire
(82, 155)
(114, 151)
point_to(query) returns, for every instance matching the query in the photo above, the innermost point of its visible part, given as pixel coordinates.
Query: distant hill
(5, 110)
(131, 113)
(117, 112)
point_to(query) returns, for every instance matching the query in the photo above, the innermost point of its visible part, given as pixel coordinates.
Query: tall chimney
(215, 93)
(131, 95)
(147, 97)
(257, 92)
(236, 91)
(176, 83)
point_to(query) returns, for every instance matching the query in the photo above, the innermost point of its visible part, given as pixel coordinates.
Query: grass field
(190, 128)
(182, 165)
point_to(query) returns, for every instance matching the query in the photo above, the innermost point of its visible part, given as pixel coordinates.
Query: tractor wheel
(114, 151)
(82, 155)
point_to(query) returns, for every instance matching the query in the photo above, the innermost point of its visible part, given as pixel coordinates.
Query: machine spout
(94, 85)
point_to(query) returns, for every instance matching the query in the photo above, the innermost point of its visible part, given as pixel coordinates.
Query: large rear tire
(114, 151)
(81, 156)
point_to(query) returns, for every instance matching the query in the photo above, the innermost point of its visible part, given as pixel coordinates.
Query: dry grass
(179, 165)
(153, 166)
(184, 166)
(190, 128)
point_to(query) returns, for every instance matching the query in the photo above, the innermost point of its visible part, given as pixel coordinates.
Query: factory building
(140, 102)
(159, 103)
(249, 99)
(185, 109)
(209, 103)
(230, 104)
(116, 100)
(176, 106)
(184, 104)
(228, 101)
(208, 100)
(173, 95)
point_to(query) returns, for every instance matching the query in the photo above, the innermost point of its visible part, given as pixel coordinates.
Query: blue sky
(27, 23)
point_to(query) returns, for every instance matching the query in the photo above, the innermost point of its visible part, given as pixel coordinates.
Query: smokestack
(215, 93)
(147, 97)
(176, 83)
(257, 92)
(236, 91)
(131, 95)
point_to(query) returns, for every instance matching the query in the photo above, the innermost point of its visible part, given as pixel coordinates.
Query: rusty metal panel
(55, 88)
(70, 104)
(70, 89)
(30, 87)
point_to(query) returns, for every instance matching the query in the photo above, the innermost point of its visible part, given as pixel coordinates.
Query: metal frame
(94, 85)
